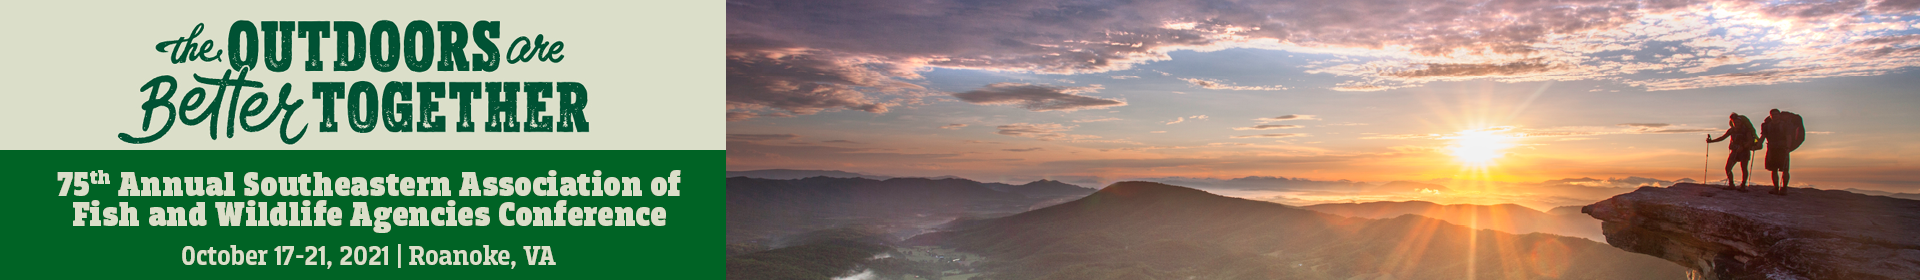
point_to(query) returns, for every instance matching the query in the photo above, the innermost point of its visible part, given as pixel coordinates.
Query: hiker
(1742, 146)
(1783, 133)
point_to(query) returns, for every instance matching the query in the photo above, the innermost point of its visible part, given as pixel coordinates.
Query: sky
(1091, 92)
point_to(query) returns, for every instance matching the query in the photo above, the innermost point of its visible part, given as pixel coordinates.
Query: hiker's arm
(1722, 137)
(1770, 127)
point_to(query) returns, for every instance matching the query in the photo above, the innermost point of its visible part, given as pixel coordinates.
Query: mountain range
(789, 174)
(1502, 217)
(770, 209)
(1145, 230)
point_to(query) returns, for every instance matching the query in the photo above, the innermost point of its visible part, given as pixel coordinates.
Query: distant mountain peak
(1045, 182)
(1131, 189)
(1508, 217)
(1160, 231)
(1409, 202)
(907, 179)
(789, 174)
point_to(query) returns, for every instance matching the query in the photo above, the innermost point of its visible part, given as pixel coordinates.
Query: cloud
(953, 126)
(1682, 130)
(1287, 118)
(1208, 145)
(1157, 131)
(1646, 125)
(755, 155)
(1888, 40)
(1125, 77)
(1766, 77)
(1217, 84)
(1022, 150)
(841, 142)
(1896, 6)
(1628, 182)
(1184, 119)
(798, 57)
(739, 116)
(863, 275)
(760, 137)
(1401, 136)
(980, 142)
(1271, 135)
(1267, 127)
(1662, 128)
(1097, 120)
(1475, 70)
(767, 78)
(1363, 87)
(1042, 131)
(1572, 132)
(1038, 98)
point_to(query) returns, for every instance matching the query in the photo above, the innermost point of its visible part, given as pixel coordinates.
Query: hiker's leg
(1776, 178)
(1730, 162)
(1745, 172)
(1784, 177)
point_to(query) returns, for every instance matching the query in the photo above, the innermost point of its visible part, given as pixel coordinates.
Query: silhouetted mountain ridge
(1913, 196)
(1152, 191)
(1566, 210)
(790, 174)
(770, 208)
(1145, 230)
(1511, 218)
(1040, 188)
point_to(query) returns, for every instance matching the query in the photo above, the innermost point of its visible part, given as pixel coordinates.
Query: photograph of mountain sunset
(1320, 139)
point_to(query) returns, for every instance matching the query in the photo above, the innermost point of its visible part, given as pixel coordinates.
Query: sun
(1479, 147)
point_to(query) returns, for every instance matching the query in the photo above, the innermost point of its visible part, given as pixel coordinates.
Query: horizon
(1506, 94)
(1538, 196)
(1108, 182)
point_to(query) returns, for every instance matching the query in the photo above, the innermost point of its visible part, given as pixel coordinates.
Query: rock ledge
(1805, 234)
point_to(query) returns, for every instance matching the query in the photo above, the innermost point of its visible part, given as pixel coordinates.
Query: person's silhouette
(1783, 132)
(1742, 146)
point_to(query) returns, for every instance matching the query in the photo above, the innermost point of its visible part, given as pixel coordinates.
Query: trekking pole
(1706, 160)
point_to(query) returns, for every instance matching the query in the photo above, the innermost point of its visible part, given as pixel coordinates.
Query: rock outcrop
(1805, 234)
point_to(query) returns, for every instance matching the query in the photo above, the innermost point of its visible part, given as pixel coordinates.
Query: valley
(917, 228)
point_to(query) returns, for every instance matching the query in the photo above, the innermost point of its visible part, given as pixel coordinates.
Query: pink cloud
(788, 57)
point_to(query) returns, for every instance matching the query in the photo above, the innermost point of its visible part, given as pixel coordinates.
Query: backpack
(1793, 130)
(1744, 130)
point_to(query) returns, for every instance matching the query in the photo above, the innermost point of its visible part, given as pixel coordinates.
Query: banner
(485, 139)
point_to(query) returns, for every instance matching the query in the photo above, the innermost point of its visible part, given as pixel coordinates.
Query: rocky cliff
(1805, 234)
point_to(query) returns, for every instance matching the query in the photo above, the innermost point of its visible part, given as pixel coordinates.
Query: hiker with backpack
(1742, 146)
(1783, 132)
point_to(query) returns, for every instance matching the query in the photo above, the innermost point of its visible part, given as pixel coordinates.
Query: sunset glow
(1467, 97)
(1479, 147)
